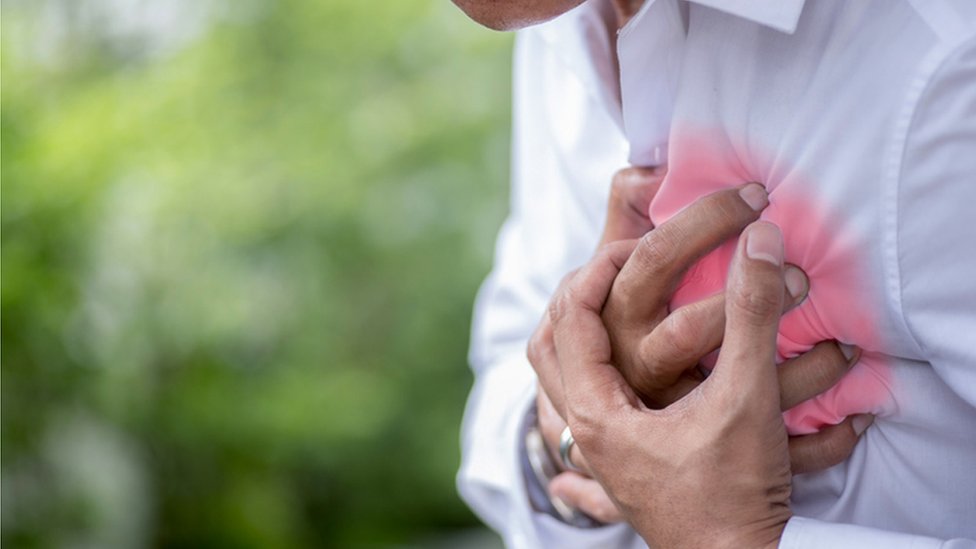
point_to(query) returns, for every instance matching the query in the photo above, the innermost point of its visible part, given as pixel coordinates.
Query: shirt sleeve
(935, 267)
(804, 533)
(551, 229)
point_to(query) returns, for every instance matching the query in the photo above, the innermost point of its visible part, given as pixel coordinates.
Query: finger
(690, 332)
(541, 352)
(631, 193)
(753, 306)
(578, 460)
(551, 424)
(586, 495)
(813, 372)
(828, 447)
(592, 386)
(587, 287)
(646, 283)
(678, 343)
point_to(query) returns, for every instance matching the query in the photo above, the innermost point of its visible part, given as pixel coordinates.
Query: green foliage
(238, 272)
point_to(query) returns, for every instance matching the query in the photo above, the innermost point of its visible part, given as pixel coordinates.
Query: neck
(625, 9)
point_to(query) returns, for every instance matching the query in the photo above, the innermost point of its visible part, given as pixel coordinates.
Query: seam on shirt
(943, 19)
(892, 172)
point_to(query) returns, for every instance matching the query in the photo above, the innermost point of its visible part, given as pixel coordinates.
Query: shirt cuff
(491, 478)
(805, 533)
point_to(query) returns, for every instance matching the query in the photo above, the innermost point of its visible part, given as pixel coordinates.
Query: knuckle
(586, 429)
(681, 332)
(629, 187)
(724, 208)
(622, 180)
(536, 348)
(561, 299)
(627, 180)
(657, 251)
(606, 251)
(643, 370)
(622, 189)
(559, 306)
(758, 303)
(553, 311)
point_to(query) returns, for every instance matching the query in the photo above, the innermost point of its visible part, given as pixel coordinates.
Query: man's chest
(812, 116)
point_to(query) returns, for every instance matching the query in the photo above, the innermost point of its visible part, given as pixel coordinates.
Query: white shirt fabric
(860, 119)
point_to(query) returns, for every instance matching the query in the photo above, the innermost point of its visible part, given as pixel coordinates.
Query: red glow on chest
(842, 304)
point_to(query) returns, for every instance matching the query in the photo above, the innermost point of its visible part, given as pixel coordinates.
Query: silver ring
(566, 442)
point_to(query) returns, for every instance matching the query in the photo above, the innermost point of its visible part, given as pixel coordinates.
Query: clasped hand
(664, 444)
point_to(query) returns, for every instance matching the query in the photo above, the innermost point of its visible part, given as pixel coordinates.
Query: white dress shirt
(860, 119)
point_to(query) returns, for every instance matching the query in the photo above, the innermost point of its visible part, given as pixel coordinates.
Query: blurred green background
(240, 243)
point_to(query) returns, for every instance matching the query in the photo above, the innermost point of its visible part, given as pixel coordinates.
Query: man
(857, 117)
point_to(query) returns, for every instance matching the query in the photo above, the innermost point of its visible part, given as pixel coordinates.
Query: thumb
(754, 304)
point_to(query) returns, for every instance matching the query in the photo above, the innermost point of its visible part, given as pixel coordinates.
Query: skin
(515, 14)
(657, 352)
(721, 453)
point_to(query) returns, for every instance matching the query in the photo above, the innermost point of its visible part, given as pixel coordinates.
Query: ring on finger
(566, 443)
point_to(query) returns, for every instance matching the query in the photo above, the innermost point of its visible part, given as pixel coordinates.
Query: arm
(559, 185)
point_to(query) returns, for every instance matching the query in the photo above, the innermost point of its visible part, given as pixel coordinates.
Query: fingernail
(796, 283)
(765, 243)
(861, 423)
(754, 195)
(851, 352)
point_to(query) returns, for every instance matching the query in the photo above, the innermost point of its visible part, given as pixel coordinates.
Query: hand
(713, 219)
(658, 351)
(631, 192)
(713, 469)
(576, 489)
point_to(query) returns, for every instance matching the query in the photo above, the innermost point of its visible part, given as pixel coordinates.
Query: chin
(506, 15)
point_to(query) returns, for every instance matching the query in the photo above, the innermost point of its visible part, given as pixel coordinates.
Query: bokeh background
(240, 243)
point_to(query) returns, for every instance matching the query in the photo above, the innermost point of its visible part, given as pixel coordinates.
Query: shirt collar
(782, 15)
